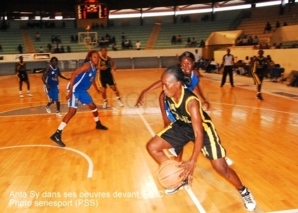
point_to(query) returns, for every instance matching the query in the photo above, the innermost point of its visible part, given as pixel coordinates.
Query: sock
(61, 126)
(241, 190)
(28, 91)
(118, 98)
(96, 119)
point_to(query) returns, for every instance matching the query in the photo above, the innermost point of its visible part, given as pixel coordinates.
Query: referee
(227, 63)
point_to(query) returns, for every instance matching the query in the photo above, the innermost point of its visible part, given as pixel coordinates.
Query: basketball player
(260, 66)
(50, 81)
(187, 63)
(106, 65)
(22, 77)
(227, 64)
(80, 81)
(192, 124)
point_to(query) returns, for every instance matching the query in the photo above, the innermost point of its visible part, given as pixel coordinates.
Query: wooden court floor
(111, 171)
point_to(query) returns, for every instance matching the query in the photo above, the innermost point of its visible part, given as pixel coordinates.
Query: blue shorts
(79, 96)
(52, 93)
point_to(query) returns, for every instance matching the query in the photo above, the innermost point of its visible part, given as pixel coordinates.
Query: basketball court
(111, 171)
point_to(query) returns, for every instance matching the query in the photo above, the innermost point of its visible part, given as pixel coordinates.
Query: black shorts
(23, 77)
(178, 136)
(107, 79)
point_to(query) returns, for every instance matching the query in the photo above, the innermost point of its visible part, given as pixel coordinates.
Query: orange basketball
(168, 174)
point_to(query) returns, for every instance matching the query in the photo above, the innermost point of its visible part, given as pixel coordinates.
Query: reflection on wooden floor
(36, 176)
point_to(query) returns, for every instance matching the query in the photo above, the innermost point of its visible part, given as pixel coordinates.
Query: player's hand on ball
(188, 170)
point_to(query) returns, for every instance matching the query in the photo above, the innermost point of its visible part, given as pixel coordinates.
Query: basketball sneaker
(173, 191)
(259, 96)
(249, 201)
(58, 114)
(48, 109)
(29, 94)
(119, 102)
(105, 104)
(100, 126)
(56, 137)
(21, 95)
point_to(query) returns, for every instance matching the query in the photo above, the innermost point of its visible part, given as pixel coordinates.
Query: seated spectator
(40, 49)
(250, 40)
(20, 48)
(279, 46)
(244, 40)
(212, 67)
(122, 36)
(62, 49)
(276, 72)
(267, 27)
(1, 47)
(277, 25)
(285, 24)
(179, 39)
(138, 45)
(255, 40)
(68, 49)
(72, 39)
(173, 40)
(114, 47)
(49, 46)
(37, 36)
(202, 44)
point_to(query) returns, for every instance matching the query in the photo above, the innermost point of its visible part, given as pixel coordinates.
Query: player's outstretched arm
(193, 108)
(61, 76)
(44, 76)
(145, 91)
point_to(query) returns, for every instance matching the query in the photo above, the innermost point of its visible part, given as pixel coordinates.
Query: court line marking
(286, 211)
(188, 189)
(88, 159)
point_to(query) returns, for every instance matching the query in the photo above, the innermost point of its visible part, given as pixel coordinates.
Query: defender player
(51, 82)
(187, 63)
(80, 82)
(192, 124)
(22, 77)
(260, 66)
(106, 65)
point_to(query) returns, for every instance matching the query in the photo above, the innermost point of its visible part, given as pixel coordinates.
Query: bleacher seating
(199, 30)
(10, 39)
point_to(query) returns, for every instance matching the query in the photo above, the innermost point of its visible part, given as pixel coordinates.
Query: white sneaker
(48, 109)
(229, 161)
(173, 191)
(120, 103)
(249, 201)
(29, 94)
(21, 95)
(105, 104)
(58, 114)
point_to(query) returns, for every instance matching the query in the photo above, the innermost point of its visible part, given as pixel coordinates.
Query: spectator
(68, 49)
(179, 39)
(72, 39)
(255, 40)
(212, 67)
(285, 24)
(277, 25)
(267, 27)
(1, 47)
(37, 36)
(20, 48)
(49, 46)
(197, 59)
(122, 36)
(40, 49)
(114, 47)
(202, 44)
(173, 40)
(138, 45)
(62, 49)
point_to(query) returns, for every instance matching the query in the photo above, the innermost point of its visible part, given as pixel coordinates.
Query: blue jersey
(52, 76)
(84, 80)
(194, 81)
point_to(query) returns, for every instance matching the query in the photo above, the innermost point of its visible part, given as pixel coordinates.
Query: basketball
(168, 174)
